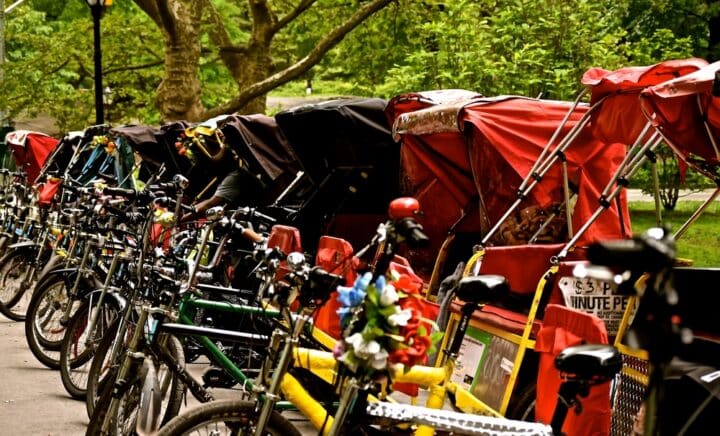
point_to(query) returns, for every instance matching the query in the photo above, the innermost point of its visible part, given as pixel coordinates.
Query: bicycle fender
(69, 275)
(24, 245)
(114, 296)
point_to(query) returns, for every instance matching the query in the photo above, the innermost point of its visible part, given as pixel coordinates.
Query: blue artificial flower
(344, 313)
(353, 296)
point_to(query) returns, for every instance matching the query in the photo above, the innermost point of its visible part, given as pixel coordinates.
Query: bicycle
(146, 344)
(643, 267)
(243, 416)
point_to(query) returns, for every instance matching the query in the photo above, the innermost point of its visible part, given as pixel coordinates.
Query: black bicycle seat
(594, 362)
(482, 288)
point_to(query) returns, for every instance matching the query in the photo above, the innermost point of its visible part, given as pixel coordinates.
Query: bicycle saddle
(595, 362)
(481, 288)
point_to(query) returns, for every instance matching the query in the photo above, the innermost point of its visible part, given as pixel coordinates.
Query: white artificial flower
(389, 295)
(400, 318)
(379, 360)
(363, 349)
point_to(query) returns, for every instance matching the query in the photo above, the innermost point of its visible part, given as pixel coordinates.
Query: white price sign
(594, 297)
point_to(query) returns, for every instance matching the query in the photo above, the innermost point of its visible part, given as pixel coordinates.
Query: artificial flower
(388, 295)
(400, 318)
(380, 329)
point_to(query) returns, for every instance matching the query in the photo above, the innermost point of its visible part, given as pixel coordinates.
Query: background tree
(194, 59)
(249, 59)
(49, 66)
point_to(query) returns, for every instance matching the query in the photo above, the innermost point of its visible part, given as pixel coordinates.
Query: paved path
(33, 400)
(637, 195)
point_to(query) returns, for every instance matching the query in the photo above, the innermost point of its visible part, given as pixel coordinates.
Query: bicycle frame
(324, 364)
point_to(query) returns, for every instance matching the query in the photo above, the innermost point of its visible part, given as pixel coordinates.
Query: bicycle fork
(272, 394)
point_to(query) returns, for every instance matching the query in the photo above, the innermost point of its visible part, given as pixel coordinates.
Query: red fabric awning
(517, 129)
(30, 151)
(434, 163)
(678, 108)
(459, 147)
(619, 118)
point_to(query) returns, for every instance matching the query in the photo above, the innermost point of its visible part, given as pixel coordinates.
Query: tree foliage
(199, 58)
(49, 64)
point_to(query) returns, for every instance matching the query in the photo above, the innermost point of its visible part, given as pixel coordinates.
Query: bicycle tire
(44, 329)
(76, 354)
(123, 411)
(13, 265)
(173, 390)
(522, 406)
(102, 369)
(222, 412)
(102, 408)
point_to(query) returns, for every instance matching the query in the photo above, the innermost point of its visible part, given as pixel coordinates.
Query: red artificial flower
(407, 284)
(415, 351)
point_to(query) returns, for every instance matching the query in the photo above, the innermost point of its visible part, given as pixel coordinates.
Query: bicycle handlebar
(651, 252)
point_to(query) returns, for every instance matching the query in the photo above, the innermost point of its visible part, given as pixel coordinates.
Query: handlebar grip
(250, 213)
(413, 232)
(120, 192)
(632, 254)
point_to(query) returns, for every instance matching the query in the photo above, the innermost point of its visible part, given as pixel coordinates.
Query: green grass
(701, 241)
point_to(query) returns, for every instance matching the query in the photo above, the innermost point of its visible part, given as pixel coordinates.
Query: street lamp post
(96, 8)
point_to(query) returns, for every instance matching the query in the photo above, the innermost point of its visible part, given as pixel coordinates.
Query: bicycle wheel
(171, 388)
(104, 366)
(122, 408)
(17, 279)
(522, 406)
(44, 324)
(110, 398)
(79, 344)
(234, 417)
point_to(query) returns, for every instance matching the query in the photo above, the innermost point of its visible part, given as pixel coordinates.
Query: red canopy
(506, 136)
(619, 118)
(459, 148)
(434, 162)
(678, 107)
(30, 150)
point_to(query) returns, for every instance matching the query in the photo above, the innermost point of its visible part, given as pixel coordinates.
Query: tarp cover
(618, 117)
(258, 140)
(156, 146)
(516, 129)
(678, 107)
(30, 150)
(482, 157)
(341, 133)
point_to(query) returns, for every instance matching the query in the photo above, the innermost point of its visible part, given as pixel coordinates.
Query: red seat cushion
(335, 255)
(564, 327)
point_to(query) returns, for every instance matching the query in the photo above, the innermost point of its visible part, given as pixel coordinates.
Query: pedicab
(588, 165)
(250, 143)
(349, 167)
(497, 141)
(684, 112)
(30, 150)
(349, 163)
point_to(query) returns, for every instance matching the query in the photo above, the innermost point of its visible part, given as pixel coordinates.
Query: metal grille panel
(628, 397)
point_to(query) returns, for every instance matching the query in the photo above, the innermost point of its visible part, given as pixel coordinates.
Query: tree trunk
(258, 67)
(179, 92)
(178, 95)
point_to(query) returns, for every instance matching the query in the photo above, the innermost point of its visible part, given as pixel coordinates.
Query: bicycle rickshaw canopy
(687, 114)
(30, 150)
(465, 155)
